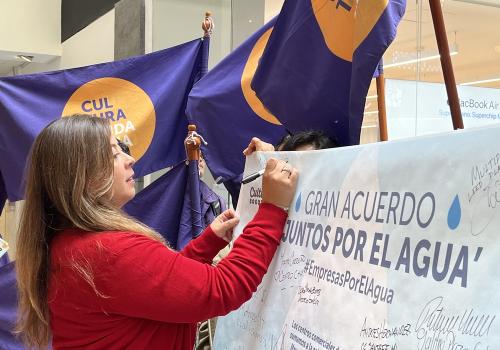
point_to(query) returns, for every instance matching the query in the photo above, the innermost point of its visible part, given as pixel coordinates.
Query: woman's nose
(130, 160)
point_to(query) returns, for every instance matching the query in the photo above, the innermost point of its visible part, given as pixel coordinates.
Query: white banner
(418, 108)
(388, 246)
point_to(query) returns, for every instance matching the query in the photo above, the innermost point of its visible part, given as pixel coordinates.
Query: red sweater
(146, 296)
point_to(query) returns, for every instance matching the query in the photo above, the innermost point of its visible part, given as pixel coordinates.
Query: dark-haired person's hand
(257, 144)
(224, 224)
(279, 183)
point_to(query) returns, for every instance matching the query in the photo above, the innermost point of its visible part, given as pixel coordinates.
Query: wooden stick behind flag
(382, 115)
(192, 143)
(447, 67)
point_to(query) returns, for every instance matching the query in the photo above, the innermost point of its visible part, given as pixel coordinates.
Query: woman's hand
(279, 183)
(224, 224)
(257, 144)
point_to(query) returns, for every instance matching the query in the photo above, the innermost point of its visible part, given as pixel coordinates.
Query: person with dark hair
(307, 141)
(303, 141)
(281, 142)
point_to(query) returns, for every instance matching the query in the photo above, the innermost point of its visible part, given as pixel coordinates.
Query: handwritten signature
(436, 329)
(484, 195)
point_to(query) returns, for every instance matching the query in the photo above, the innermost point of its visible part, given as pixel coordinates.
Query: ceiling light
(428, 58)
(480, 81)
(26, 58)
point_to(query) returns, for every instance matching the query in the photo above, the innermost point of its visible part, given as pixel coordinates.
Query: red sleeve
(205, 247)
(147, 280)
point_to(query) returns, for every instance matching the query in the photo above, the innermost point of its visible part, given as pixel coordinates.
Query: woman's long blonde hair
(69, 181)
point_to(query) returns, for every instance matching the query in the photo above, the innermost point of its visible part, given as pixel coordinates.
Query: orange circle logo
(346, 23)
(246, 78)
(128, 108)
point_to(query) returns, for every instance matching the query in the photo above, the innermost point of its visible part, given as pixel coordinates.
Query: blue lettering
(120, 115)
(106, 103)
(88, 110)
(344, 5)
(421, 271)
(309, 205)
(375, 248)
(404, 256)
(433, 209)
(99, 106)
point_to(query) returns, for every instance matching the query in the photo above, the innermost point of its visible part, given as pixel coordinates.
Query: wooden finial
(207, 25)
(192, 143)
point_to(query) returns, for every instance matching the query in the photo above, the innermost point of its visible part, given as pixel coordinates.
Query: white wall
(31, 26)
(93, 44)
(272, 8)
(178, 21)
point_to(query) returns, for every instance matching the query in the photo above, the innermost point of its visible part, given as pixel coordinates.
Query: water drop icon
(454, 213)
(297, 203)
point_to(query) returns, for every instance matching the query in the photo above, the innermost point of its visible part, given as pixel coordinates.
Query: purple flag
(228, 114)
(172, 204)
(317, 66)
(144, 97)
(8, 308)
(191, 223)
(178, 205)
(202, 69)
(211, 204)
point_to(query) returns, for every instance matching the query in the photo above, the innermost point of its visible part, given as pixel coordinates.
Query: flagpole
(447, 67)
(192, 144)
(382, 115)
